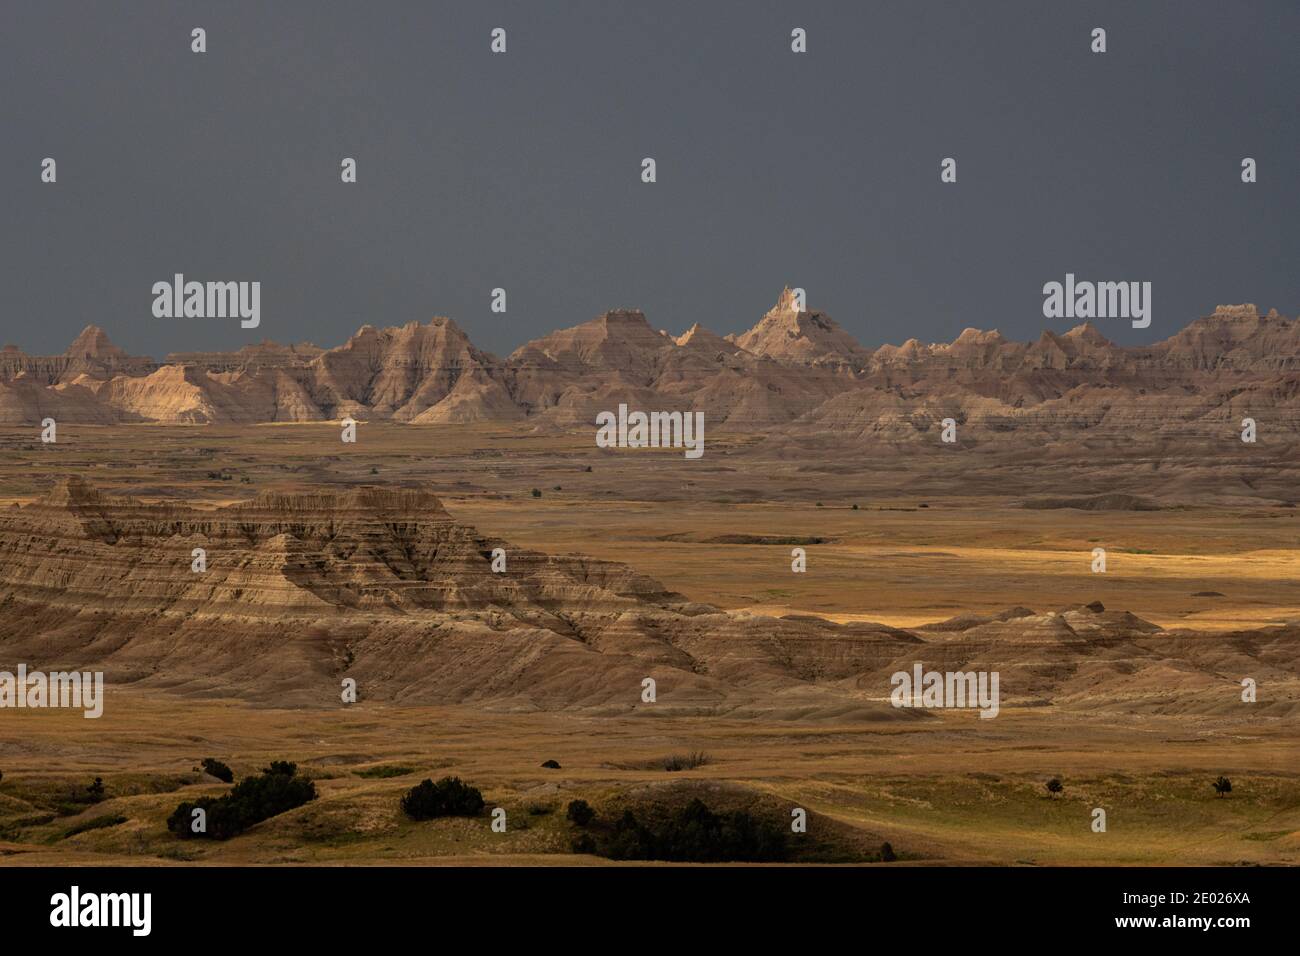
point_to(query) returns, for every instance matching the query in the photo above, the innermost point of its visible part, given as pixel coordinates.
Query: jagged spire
(786, 302)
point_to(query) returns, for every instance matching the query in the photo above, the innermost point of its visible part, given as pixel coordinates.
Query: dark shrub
(446, 798)
(1054, 786)
(217, 769)
(580, 813)
(1222, 785)
(537, 492)
(80, 796)
(630, 840)
(696, 834)
(276, 790)
(887, 853)
(696, 758)
(182, 819)
(552, 765)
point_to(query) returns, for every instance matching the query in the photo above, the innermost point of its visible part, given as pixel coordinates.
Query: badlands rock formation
(788, 333)
(795, 372)
(384, 586)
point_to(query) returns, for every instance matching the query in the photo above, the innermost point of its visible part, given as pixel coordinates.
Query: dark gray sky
(523, 170)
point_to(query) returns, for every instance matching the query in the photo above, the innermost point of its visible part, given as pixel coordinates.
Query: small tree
(1222, 785)
(887, 853)
(96, 789)
(1054, 786)
(580, 813)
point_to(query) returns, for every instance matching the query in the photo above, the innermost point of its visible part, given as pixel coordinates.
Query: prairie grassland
(950, 792)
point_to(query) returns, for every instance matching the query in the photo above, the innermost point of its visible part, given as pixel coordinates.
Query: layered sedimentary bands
(795, 373)
(384, 586)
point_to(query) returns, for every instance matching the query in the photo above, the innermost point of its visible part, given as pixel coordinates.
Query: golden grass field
(951, 789)
(951, 793)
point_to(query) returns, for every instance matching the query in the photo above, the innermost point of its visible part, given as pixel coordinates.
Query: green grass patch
(385, 771)
(98, 823)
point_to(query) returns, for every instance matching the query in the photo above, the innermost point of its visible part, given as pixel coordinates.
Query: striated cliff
(304, 589)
